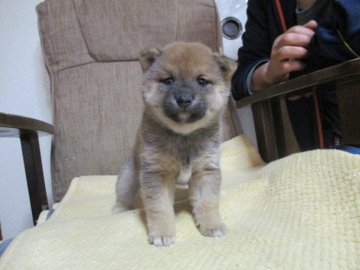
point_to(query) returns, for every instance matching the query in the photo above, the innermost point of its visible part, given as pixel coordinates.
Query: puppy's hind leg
(127, 187)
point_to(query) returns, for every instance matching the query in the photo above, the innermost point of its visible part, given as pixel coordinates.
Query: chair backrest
(90, 49)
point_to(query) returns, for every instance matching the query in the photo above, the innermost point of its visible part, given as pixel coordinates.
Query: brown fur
(177, 141)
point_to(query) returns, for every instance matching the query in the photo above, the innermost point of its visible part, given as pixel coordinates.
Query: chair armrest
(341, 72)
(268, 106)
(28, 130)
(13, 125)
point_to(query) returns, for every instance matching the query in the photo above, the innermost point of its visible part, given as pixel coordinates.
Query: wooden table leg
(34, 172)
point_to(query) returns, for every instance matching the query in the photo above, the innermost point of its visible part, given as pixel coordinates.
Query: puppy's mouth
(185, 114)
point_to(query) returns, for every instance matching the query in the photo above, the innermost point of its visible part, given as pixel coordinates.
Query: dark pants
(303, 119)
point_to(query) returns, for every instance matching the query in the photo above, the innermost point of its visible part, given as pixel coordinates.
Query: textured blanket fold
(299, 212)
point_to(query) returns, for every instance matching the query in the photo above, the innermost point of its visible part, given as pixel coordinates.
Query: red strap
(318, 119)
(316, 102)
(281, 15)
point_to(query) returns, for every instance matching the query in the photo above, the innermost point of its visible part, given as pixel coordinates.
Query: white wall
(24, 90)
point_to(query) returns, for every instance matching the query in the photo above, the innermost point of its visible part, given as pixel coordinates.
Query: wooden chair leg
(348, 93)
(34, 173)
(285, 139)
(264, 128)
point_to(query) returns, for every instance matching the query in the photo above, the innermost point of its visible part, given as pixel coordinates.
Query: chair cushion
(98, 108)
(61, 37)
(119, 30)
(76, 32)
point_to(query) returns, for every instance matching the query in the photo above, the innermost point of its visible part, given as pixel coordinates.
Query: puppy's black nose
(184, 100)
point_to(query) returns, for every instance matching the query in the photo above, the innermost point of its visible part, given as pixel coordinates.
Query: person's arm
(254, 72)
(287, 55)
(256, 47)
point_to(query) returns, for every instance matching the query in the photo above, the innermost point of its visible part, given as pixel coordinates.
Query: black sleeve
(256, 45)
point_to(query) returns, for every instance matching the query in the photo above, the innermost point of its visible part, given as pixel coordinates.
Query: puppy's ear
(147, 57)
(227, 65)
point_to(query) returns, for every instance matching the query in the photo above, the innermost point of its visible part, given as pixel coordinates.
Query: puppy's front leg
(204, 195)
(157, 192)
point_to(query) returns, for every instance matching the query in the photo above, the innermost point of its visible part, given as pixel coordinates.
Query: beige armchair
(91, 49)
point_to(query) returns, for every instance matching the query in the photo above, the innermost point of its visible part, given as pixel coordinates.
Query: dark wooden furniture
(28, 130)
(267, 106)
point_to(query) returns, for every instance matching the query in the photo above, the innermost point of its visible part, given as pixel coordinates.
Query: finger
(312, 24)
(290, 52)
(293, 39)
(301, 30)
(277, 72)
(291, 66)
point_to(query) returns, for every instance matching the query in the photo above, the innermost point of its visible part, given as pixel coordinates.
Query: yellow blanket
(300, 212)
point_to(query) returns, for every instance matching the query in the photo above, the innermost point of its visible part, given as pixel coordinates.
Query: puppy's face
(185, 85)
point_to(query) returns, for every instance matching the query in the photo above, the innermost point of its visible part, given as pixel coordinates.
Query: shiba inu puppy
(185, 91)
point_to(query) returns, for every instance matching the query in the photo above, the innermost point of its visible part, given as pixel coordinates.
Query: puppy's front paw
(213, 231)
(161, 240)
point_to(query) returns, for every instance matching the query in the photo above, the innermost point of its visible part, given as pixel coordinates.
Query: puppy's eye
(168, 81)
(202, 81)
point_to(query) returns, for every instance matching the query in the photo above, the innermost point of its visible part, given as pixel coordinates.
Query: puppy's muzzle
(184, 105)
(184, 100)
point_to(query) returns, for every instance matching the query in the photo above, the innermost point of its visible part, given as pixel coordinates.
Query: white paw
(162, 241)
(219, 231)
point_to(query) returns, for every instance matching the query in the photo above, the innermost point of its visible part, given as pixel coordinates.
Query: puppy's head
(185, 85)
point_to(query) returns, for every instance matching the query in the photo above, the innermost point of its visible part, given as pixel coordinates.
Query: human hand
(287, 53)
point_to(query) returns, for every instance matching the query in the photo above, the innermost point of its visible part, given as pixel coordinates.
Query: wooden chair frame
(29, 130)
(268, 122)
